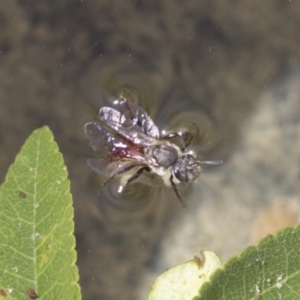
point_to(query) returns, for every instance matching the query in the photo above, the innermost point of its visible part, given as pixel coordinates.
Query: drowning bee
(131, 140)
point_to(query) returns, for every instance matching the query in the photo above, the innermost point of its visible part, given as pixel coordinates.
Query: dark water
(203, 62)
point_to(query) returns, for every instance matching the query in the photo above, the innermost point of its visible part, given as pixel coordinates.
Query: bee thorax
(164, 155)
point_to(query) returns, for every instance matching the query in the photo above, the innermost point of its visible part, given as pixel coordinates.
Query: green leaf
(183, 281)
(37, 256)
(271, 270)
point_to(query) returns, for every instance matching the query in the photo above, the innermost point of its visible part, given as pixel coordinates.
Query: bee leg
(117, 173)
(136, 175)
(108, 180)
(190, 136)
(174, 187)
(187, 137)
(180, 135)
(171, 135)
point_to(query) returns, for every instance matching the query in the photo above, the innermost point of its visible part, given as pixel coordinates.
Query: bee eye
(186, 168)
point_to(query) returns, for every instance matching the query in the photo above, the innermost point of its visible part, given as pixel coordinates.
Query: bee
(130, 141)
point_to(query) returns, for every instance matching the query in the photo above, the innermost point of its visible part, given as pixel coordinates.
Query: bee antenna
(209, 162)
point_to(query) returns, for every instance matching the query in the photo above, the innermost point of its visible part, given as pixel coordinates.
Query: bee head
(187, 168)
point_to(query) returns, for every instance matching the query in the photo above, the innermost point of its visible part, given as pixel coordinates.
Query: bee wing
(107, 168)
(126, 128)
(131, 116)
(101, 138)
(138, 117)
(121, 156)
